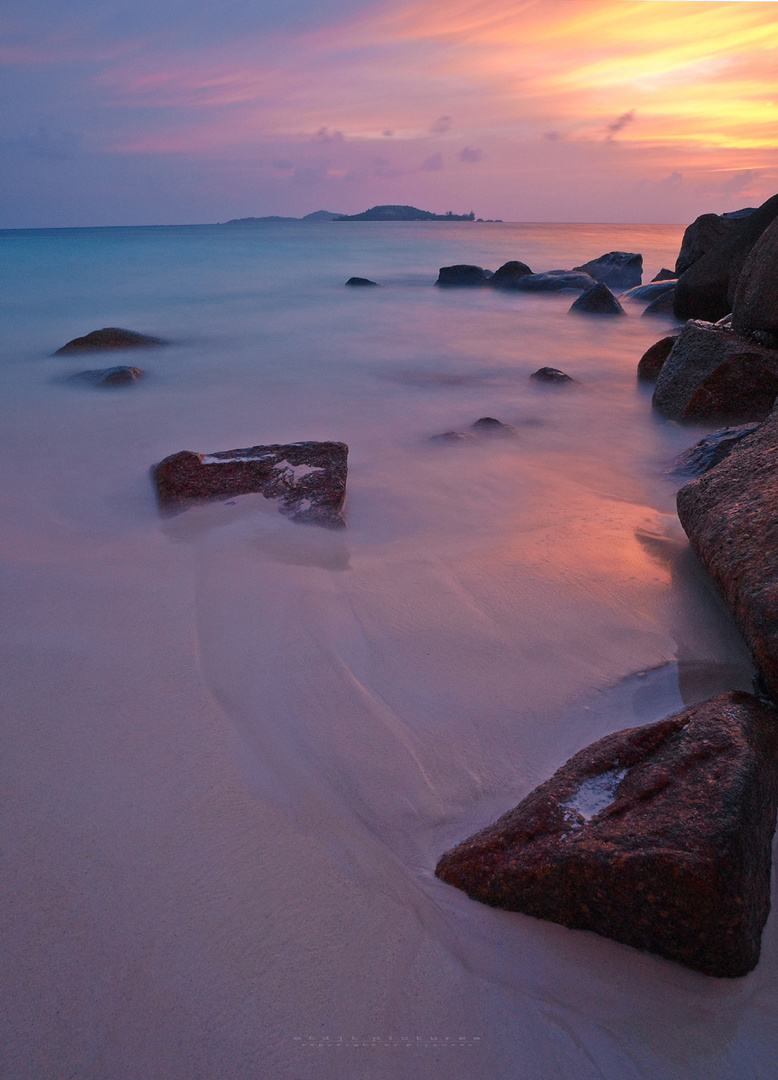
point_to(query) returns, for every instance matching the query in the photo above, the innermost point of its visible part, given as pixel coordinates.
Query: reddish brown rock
(650, 363)
(110, 337)
(731, 518)
(307, 478)
(658, 837)
(713, 374)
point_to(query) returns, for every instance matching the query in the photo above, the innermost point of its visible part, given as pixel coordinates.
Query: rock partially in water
(650, 291)
(507, 275)
(663, 305)
(665, 275)
(555, 281)
(307, 478)
(658, 837)
(110, 337)
(486, 426)
(709, 451)
(550, 375)
(360, 281)
(652, 360)
(618, 269)
(461, 275)
(713, 374)
(109, 377)
(729, 515)
(598, 300)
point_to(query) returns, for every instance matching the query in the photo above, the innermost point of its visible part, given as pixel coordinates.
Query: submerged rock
(550, 375)
(709, 451)
(487, 426)
(507, 275)
(617, 269)
(652, 360)
(714, 374)
(658, 837)
(461, 275)
(110, 337)
(598, 300)
(108, 377)
(360, 281)
(555, 281)
(307, 478)
(729, 515)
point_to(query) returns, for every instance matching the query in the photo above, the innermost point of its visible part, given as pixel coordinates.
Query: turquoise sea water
(235, 747)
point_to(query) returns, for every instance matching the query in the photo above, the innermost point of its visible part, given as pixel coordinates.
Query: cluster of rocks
(106, 340)
(660, 837)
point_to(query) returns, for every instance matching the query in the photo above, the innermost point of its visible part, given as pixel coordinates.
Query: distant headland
(375, 213)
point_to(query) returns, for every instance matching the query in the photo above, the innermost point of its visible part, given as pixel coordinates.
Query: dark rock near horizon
(598, 300)
(755, 305)
(307, 478)
(108, 377)
(663, 305)
(664, 275)
(729, 515)
(506, 276)
(317, 215)
(713, 374)
(650, 363)
(550, 375)
(403, 213)
(658, 837)
(555, 281)
(110, 337)
(360, 281)
(708, 451)
(461, 275)
(617, 269)
(706, 290)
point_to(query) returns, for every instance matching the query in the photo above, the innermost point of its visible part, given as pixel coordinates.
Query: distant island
(375, 213)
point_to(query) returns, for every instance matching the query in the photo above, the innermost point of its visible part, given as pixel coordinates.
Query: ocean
(236, 746)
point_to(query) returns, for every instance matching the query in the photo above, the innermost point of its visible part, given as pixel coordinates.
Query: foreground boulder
(109, 377)
(708, 451)
(461, 275)
(755, 306)
(507, 276)
(618, 269)
(110, 337)
(706, 289)
(598, 300)
(658, 837)
(307, 478)
(713, 374)
(705, 233)
(730, 516)
(556, 281)
(652, 360)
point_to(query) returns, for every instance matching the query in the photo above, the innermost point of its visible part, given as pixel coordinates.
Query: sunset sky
(176, 111)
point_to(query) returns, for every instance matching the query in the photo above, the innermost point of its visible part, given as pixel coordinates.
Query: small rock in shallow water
(307, 478)
(598, 300)
(360, 281)
(108, 377)
(550, 375)
(658, 837)
(487, 425)
(110, 337)
(461, 275)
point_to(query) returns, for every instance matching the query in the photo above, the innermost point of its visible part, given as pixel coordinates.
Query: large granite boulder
(713, 374)
(730, 515)
(507, 276)
(461, 275)
(706, 290)
(658, 837)
(755, 306)
(707, 452)
(109, 377)
(617, 269)
(705, 233)
(307, 478)
(652, 360)
(110, 337)
(598, 300)
(556, 281)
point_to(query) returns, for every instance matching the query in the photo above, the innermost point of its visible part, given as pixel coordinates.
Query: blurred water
(493, 606)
